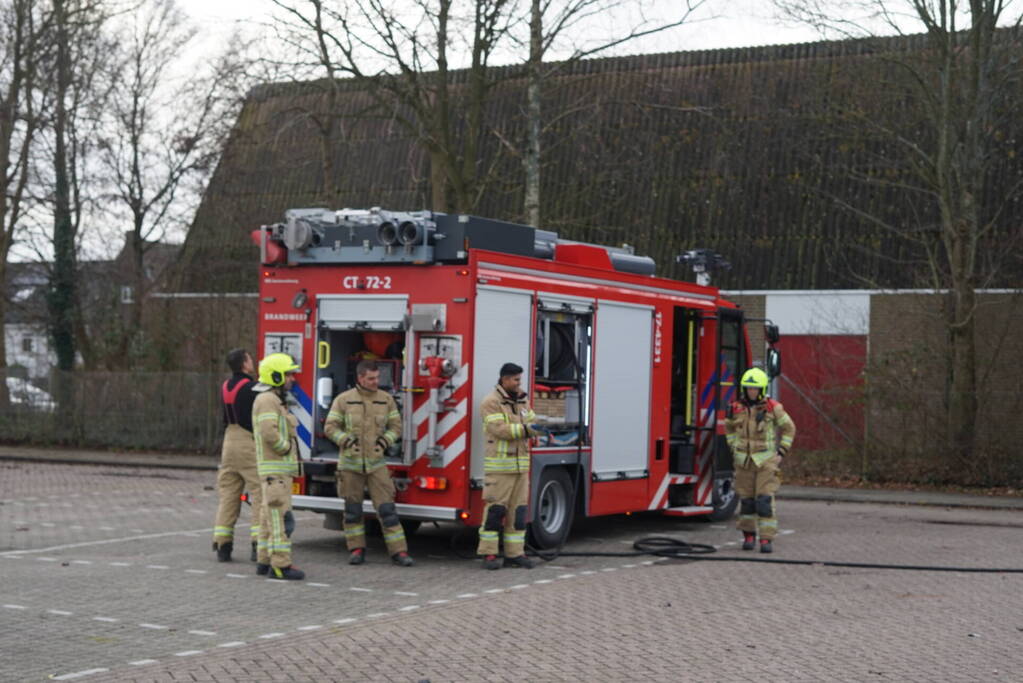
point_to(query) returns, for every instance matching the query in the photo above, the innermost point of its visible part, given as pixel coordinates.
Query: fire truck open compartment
(630, 372)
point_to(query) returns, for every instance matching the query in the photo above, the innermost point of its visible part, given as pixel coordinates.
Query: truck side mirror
(773, 363)
(771, 333)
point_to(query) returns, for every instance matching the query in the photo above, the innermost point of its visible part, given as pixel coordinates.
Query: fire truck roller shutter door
(502, 333)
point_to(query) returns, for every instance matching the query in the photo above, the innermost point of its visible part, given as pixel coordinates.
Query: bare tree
(551, 24)
(401, 60)
(24, 40)
(164, 129)
(959, 86)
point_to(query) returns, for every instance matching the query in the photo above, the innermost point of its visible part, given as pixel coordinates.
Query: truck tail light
(463, 515)
(432, 483)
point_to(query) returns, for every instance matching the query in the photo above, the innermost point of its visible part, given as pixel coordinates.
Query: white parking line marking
(320, 585)
(347, 620)
(588, 572)
(408, 609)
(466, 595)
(439, 602)
(46, 559)
(106, 528)
(137, 531)
(14, 557)
(267, 636)
(376, 615)
(413, 595)
(518, 587)
(544, 581)
(237, 576)
(14, 607)
(107, 541)
(628, 566)
(81, 561)
(48, 524)
(157, 566)
(554, 566)
(79, 674)
(203, 633)
(155, 627)
(309, 628)
(494, 590)
(236, 643)
(59, 612)
(109, 620)
(188, 653)
(566, 576)
(142, 662)
(361, 590)
(647, 563)
(196, 571)
(120, 564)
(609, 569)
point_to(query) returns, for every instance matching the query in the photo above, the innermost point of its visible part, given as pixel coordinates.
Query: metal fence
(166, 411)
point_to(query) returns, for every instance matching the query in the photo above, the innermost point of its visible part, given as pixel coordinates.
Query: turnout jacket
(366, 416)
(274, 430)
(758, 431)
(505, 422)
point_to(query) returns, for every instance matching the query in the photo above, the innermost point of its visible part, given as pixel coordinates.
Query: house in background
(106, 290)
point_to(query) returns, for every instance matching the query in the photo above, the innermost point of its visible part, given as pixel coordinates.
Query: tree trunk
(962, 404)
(534, 116)
(62, 287)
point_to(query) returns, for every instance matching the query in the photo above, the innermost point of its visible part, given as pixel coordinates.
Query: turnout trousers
(276, 522)
(352, 487)
(756, 487)
(236, 474)
(506, 496)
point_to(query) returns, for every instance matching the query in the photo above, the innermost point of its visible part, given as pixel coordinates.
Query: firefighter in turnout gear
(277, 462)
(508, 425)
(364, 422)
(760, 434)
(237, 472)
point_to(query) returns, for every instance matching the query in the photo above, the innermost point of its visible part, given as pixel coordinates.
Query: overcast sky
(739, 23)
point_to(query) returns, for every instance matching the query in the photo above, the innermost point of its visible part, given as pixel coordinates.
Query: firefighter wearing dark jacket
(237, 472)
(508, 425)
(760, 434)
(364, 422)
(277, 462)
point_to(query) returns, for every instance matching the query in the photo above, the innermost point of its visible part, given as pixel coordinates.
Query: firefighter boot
(749, 540)
(262, 569)
(358, 556)
(520, 561)
(765, 546)
(224, 552)
(491, 562)
(402, 559)
(289, 573)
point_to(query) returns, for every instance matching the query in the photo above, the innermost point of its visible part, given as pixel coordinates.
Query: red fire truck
(630, 371)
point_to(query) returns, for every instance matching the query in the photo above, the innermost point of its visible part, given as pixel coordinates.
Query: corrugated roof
(738, 150)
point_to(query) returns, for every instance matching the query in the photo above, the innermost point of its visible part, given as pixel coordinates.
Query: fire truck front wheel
(552, 509)
(724, 499)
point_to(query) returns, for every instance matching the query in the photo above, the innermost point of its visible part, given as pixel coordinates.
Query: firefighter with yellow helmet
(760, 434)
(277, 463)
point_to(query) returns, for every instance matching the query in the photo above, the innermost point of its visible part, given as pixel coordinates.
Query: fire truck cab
(631, 372)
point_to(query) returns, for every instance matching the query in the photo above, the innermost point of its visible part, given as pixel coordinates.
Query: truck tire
(724, 499)
(553, 509)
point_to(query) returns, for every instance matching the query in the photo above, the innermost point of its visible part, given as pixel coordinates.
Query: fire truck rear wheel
(552, 509)
(724, 499)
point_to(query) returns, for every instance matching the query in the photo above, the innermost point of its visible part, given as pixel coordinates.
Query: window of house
(127, 294)
(27, 344)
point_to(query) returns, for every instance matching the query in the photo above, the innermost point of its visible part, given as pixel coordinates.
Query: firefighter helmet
(274, 368)
(754, 378)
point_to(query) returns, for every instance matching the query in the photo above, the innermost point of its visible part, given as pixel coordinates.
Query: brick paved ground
(153, 605)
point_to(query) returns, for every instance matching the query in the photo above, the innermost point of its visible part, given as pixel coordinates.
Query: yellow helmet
(754, 378)
(273, 368)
